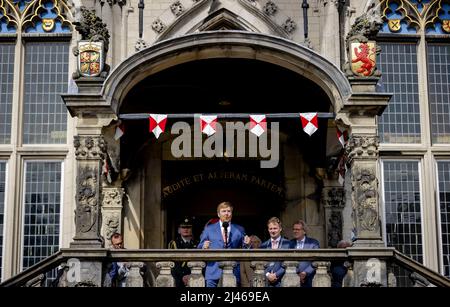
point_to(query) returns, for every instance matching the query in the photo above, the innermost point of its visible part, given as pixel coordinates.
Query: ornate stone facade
(365, 187)
(334, 202)
(111, 212)
(362, 147)
(89, 147)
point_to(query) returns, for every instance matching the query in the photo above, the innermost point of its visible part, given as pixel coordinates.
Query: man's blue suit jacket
(276, 267)
(306, 266)
(213, 233)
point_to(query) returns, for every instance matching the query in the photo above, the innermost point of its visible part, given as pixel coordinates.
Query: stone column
(259, 277)
(322, 278)
(111, 213)
(362, 155)
(90, 150)
(165, 278)
(228, 279)
(333, 201)
(196, 278)
(290, 278)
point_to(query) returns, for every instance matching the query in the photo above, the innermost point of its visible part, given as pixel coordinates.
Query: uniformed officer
(184, 240)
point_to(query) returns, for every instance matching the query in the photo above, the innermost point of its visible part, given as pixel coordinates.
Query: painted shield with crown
(90, 58)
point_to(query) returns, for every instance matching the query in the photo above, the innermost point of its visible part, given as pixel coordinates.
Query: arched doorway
(214, 73)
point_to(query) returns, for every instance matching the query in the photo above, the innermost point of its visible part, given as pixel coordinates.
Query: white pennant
(208, 124)
(309, 122)
(258, 124)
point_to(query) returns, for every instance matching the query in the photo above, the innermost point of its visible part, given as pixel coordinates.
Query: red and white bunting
(258, 124)
(120, 130)
(106, 171)
(342, 136)
(208, 124)
(342, 169)
(310, 122)
(157, 124)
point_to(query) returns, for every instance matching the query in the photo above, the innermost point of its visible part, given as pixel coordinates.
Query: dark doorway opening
(195, 188)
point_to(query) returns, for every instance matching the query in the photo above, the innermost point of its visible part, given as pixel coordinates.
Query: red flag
(157, 124)
(310, 122)
(258, 124)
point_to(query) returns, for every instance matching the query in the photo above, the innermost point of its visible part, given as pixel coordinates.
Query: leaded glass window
(400, 122)
(42, 207)
(439, 91)
(46, 77)
(402, 207)
(6, 91)
(444, 210)
(2, 210)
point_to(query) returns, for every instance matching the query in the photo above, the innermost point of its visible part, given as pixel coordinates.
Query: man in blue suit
(222, 235)
(275, 271)
(304, 270)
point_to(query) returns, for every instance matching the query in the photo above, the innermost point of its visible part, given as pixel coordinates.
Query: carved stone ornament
(111, 224)
(89, 147)
(112, 198)
(158, 26)
(270, 8)
(334, 228)
(86, 215)
(289, 25)
(334, 197)
(177, 8)
(365, 198)
(140, 45)
(362, 147)
(362, 52)
(112, 2)
(94, 31)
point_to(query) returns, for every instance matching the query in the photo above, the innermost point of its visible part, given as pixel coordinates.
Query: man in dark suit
(304, 270)
(185, 239)
(275, 271)
(222, 235)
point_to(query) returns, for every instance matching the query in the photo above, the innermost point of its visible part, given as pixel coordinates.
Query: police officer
(184, 240)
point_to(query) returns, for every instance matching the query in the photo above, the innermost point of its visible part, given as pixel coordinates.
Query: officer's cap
(186, 222)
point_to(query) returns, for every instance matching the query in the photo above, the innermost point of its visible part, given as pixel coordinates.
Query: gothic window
(35, 38)
(42, 210)
(400, 122)
(6, 90)
(409, 37)
(2, 210)
(443, 168)
(46, 76)
(402, 208)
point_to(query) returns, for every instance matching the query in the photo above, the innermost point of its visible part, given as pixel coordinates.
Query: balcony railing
(159, 262)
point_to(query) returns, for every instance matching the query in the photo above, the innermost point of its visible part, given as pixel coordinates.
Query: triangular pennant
(309, 122)
(342, 169)
(120, 130)
(157, 124)
(342, 136)
(258, 124)
(106, 171)
(208, 124)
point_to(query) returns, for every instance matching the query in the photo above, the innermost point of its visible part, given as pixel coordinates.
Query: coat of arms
(90, 58)
(363, 58)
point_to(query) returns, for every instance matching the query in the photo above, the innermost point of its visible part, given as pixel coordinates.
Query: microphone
(225, 231)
